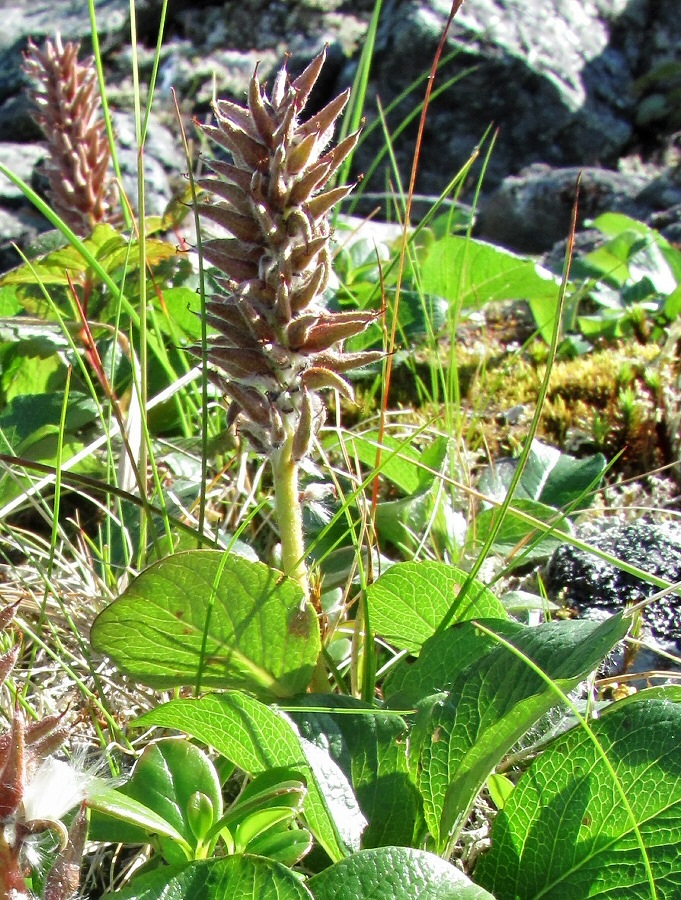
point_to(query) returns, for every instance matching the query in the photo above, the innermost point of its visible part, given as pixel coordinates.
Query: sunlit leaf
(464, 733)
(201, 617)
(565, 830)
(256, 738)
(408, 602)
(238, 877)
(397, 873)
(474, 273)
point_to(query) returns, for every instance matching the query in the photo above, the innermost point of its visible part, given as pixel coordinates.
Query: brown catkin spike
(67, 108)
(271, 197)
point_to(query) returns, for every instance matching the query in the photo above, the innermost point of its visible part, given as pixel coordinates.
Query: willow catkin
(66, 105)
(277, 346)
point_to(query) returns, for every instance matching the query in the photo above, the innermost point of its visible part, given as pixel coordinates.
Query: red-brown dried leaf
(264, 122)
(8, 661)
(13, 769)
(63, 878)
(346, 362)
(244, 228)
(323, 122)
(7, 614)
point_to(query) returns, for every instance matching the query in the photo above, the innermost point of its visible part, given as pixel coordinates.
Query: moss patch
(610, 400)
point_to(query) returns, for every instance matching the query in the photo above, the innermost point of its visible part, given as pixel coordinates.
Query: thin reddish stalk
(456, 6)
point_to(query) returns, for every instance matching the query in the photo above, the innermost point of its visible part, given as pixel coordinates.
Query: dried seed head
(277, 345)
(64, 877)
(29, 781)
(66, 106)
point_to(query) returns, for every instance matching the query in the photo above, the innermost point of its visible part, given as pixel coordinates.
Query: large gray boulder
(553, 76)
(38, 19)
(532, 211)
(568, 83)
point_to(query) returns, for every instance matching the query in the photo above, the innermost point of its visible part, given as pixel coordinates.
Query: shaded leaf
(406, 521)
(442, 659)
(28, 413)
(370, 748)
(517, 540)
(550, 477)
(31, 369)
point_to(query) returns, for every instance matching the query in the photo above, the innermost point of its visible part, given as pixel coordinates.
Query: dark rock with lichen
(589, 584)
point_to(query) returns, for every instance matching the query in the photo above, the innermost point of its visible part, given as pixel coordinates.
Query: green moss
(608, 400)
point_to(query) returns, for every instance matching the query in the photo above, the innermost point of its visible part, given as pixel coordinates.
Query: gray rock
(663, 192)
(197, 78)
(20, 227)
(668, 223)
(554, 77)
(16, 119)
(590, 585)
(563, 80)
(22, 19)
(20, 224)
(22, 160)
(659, 75)
(162, 159)
(252, 24)
(531, 211)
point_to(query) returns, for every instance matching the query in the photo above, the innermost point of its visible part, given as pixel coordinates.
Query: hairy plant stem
(288, 514)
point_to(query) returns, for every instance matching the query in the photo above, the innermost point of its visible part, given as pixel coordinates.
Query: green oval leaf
(500, 788)
(442, 659)
(136, 820)
(259, 823)
(210, 619)
(565, 832)
(408, 602)
(276, 786)
(234, 876)
(549, 477)
(165, 778)
(287, 847)
(398, 873)
(473, 273)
